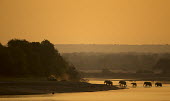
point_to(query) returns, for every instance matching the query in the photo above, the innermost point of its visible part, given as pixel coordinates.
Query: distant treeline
(136, 62)
(112, 48)
(22, 58)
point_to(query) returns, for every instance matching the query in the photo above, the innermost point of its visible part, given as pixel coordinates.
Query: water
(131, 94)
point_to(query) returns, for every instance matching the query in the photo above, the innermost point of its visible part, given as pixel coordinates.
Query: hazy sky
(86, 21)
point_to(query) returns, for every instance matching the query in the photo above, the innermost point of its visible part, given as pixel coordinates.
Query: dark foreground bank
(44, 87)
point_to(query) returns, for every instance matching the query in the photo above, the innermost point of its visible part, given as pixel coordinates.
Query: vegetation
(114, 61)
(21, 58)
(144, 71)
(106, 71)
(163, 64)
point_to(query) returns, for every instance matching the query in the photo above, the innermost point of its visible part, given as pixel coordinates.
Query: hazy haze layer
(101, 48)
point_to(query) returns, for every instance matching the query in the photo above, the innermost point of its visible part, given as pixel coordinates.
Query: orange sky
(86, 21)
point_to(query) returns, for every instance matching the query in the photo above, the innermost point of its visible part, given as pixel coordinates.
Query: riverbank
(45, 87)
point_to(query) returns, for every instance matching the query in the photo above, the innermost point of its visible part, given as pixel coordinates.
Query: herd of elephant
(124, 84)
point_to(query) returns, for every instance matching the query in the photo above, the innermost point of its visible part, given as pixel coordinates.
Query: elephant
(147, 84)
(108, 82)
(122, 83)
(157, 84)
(134, 84)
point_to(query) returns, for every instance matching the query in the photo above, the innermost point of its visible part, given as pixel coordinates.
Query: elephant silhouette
(147, 84)
(134, 84)
(108, 82)
(122, 83)
(157, 84)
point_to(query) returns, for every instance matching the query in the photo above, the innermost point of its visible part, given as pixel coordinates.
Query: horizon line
(110, 44)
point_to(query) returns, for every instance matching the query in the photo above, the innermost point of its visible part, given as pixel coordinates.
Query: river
(139, 93)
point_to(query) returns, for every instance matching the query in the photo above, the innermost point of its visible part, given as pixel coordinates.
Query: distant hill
(109, 48)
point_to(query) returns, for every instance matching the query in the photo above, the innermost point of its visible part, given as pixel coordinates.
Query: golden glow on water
(132, 94)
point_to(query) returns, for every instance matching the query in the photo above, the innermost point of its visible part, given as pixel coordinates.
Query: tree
(23, 58)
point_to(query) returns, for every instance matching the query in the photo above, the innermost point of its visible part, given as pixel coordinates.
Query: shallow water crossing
(139, 93)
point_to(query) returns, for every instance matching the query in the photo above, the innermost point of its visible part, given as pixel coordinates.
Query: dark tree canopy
(23, 58)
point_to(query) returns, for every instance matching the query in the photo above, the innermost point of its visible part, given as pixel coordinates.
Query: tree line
(136, 62)
(23, 58)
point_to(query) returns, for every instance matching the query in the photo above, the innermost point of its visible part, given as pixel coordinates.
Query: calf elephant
(134, 84)
(157, 84)
(108, 82)
(147, 84)
(122, 83)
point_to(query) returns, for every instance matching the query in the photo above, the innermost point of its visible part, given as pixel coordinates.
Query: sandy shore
(44, 87)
